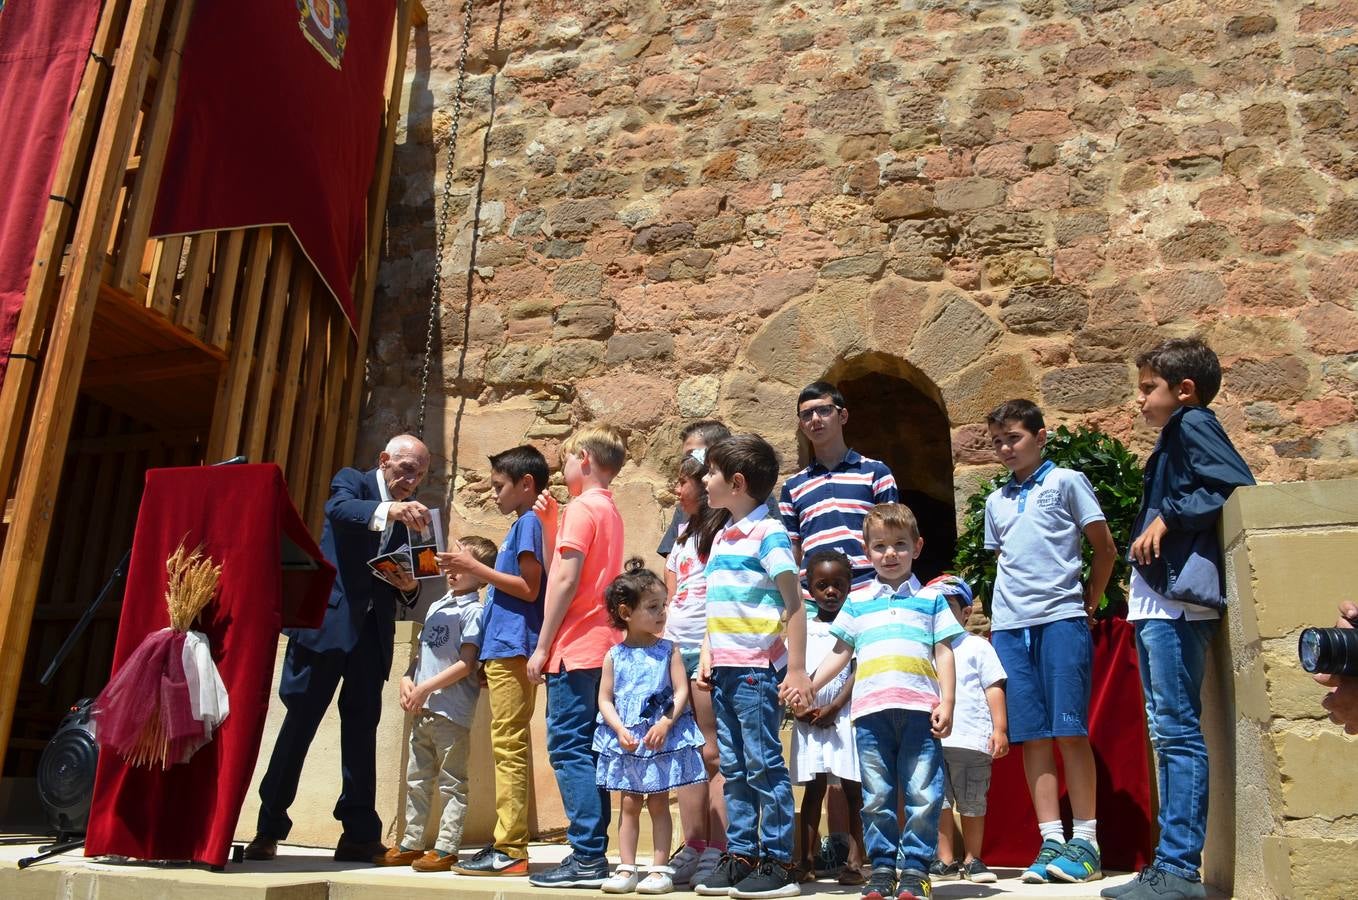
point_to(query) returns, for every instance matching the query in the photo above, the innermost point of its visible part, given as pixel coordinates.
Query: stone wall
(1292, 828)
(692, 209)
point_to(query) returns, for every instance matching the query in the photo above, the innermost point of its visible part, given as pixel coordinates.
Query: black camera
(1329, 651)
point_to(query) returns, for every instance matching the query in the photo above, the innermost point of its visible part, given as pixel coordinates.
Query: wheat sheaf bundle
(192, 583)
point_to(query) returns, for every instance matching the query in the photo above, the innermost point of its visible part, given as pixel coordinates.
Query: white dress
(816, 749)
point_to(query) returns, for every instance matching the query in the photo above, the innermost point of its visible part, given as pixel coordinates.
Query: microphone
(233, 461)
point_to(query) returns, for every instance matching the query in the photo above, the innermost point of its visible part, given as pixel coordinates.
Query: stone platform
(306, 873)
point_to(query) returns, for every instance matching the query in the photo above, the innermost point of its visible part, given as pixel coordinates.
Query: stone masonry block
(1292, 505)
(1308, 764)
(1315, 868)
(1300, 577)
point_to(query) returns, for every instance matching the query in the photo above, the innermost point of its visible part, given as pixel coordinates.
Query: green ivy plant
(1116, 476)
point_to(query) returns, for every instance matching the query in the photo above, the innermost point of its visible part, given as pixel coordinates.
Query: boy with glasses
(823, 505)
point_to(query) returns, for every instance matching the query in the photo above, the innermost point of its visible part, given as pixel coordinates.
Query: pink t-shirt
(592, 526)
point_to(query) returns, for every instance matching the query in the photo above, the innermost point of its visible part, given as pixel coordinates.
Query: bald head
(404, 463)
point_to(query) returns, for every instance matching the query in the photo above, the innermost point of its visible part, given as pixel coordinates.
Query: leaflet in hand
(394, 566)
(424, 545)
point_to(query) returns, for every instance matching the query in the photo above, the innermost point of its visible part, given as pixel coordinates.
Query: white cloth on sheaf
(976, 667)
(817, 749)
(207, 694)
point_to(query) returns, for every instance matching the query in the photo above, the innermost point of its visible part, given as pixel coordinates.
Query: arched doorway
(896, 415)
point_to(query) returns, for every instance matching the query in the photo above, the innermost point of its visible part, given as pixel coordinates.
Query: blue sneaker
(1037, 872)
(1079, 861)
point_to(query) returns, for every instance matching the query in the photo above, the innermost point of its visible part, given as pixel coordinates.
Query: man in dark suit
(368, 513)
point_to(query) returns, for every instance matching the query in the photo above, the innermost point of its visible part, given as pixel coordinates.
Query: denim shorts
(966, 779)
(1049, 668)
(690, 660)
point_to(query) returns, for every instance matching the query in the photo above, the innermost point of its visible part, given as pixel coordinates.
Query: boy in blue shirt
(1177, 594)
(510, 626)
(1039, 629)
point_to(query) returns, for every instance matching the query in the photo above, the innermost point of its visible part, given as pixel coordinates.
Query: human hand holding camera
(1331, 655)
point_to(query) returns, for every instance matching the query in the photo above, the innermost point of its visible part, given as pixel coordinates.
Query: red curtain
(277, 123)
(243, 515)
(43, 48)
(1117, 731)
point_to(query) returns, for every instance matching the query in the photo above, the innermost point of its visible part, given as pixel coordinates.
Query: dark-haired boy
(823, 505)
(700, 434)
(510, 626)
(753, 593)
(1177, 594)
(1039, 630)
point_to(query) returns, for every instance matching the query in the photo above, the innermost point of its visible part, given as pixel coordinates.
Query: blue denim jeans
(758, 789)
(1173, 657)
(897, 752)
(572, 705)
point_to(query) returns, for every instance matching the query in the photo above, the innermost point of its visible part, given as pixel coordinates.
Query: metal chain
(441, 231)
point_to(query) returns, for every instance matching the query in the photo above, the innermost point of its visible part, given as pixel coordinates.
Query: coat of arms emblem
(325, 24)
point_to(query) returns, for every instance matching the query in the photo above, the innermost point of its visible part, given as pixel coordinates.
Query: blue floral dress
(643, 693)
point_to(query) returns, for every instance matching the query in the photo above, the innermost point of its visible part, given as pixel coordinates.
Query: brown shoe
(853, 875)
(397, 857)
(432, 862)
(261, 848)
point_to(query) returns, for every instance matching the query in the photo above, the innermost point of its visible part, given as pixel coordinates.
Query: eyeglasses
(823, 411)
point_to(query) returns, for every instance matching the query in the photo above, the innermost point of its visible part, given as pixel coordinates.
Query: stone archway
(896, 415)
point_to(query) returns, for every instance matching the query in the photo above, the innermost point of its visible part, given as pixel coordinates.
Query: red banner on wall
(43, 47)
(277, 123)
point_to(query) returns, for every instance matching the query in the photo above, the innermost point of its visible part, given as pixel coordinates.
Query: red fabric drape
(43, 47)
(268, 131)
(1117, 731)
(243, 515)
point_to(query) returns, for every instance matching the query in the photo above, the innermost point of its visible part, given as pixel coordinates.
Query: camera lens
(1329, 651)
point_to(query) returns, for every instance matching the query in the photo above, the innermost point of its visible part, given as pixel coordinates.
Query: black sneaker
(730, 871)
(490, 861)
(1157, 884)
(881, 885)
(573, 872)
(941, 871)
(914, 886)
(771, 878)
(976, 871)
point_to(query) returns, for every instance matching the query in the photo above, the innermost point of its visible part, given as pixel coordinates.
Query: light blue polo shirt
(1037, 527)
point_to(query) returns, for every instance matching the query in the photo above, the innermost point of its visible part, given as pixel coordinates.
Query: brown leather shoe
(261, 848)
(397, 857)
(432, 862)
(358, 851)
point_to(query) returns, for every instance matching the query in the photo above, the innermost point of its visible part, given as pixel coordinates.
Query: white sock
(1085, 828)
(1052, 831)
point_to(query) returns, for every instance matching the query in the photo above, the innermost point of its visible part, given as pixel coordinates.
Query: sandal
(853, 875)
(658, 880)
(805, 873)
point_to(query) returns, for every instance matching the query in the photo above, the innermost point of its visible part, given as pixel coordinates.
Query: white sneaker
(685, 864)
(707, 864)
(622, 881)
(658, 880)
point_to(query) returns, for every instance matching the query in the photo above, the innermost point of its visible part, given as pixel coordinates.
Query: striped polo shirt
(744, 607)
(825, 507)
(893, 637)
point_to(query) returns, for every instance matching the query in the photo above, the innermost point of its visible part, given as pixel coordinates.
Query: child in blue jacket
(1177, 594)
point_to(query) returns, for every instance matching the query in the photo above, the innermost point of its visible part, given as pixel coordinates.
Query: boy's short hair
(483, 549)
(818, 389)
(890, 515)
(1180, 358)
(748, 455)
(827, 555)
(603, 443)
(519, 461)
(710, 430)
(1025, 412)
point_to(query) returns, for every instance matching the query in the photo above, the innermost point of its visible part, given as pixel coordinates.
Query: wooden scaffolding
(133, 353)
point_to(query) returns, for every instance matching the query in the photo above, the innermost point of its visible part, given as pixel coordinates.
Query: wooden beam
(152, 367)
(146, 183)
(164, 271)
(230, 407)
(25, 548)
(68, 181)
(226, 272)
(280, 429)
(298, 470)
(328, 446)
(195, 282)
(126, 307)
(377, 208)
(265, 366)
